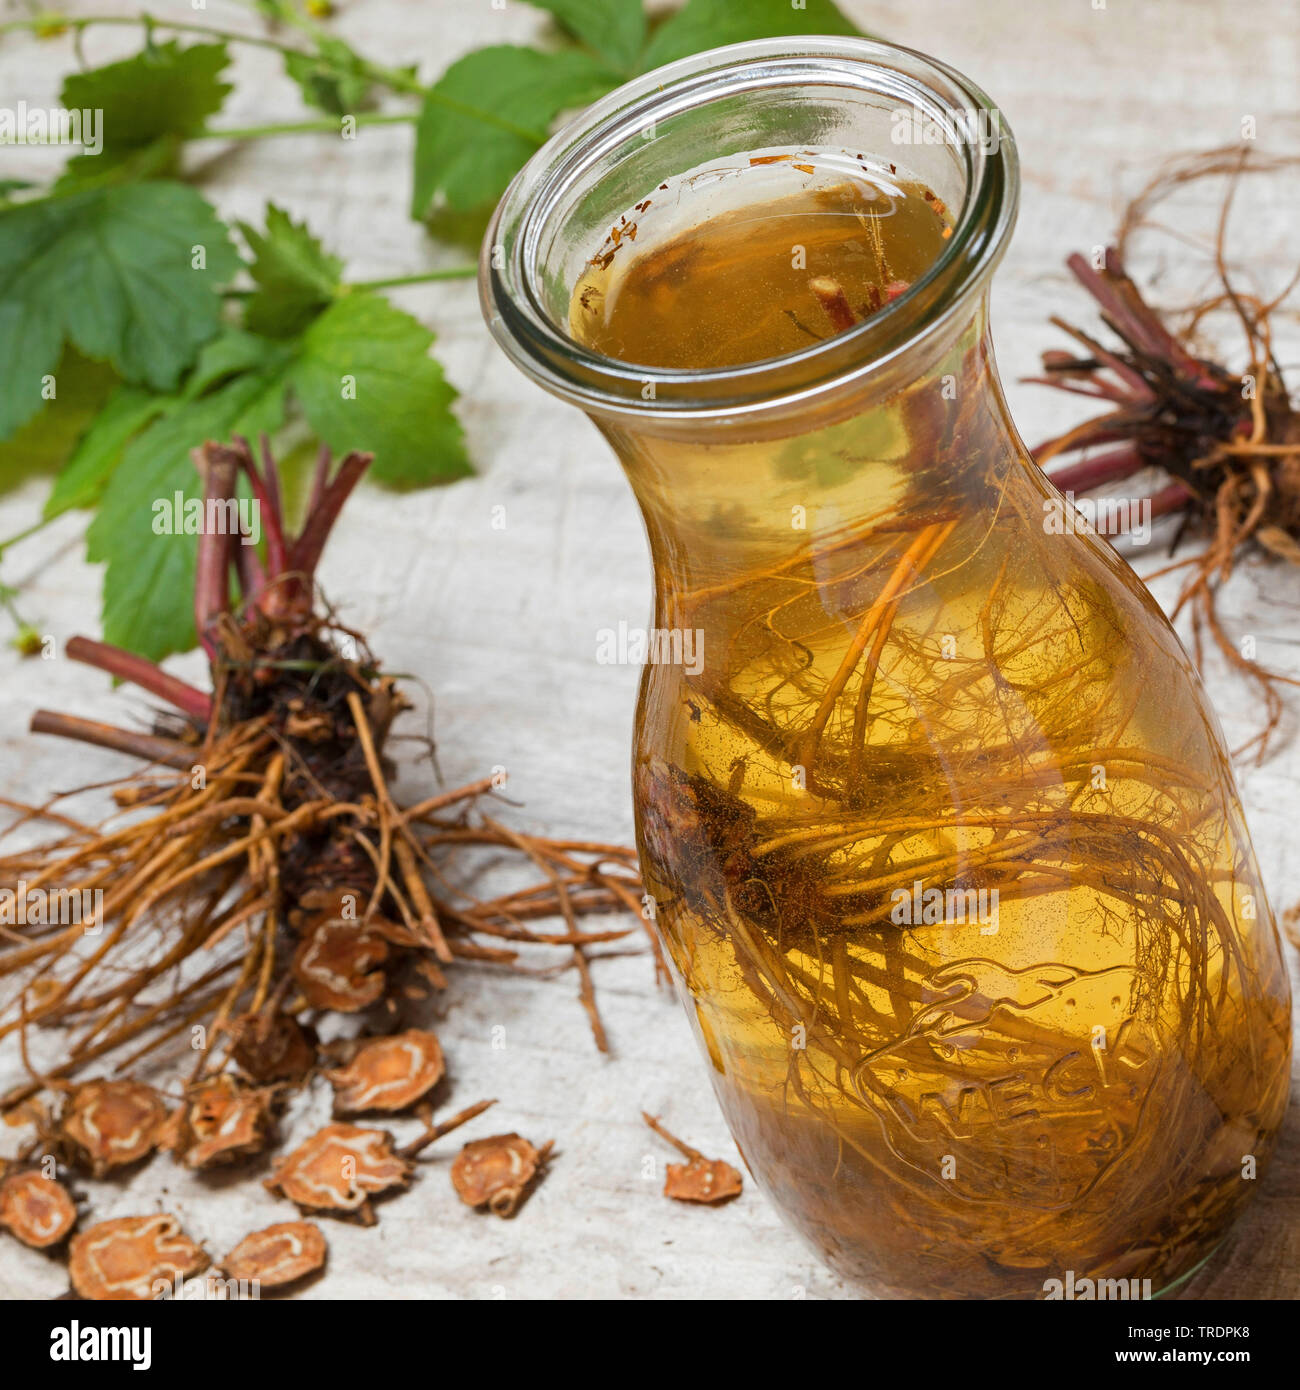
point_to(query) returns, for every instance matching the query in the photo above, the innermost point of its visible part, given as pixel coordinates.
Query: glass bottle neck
(711, 124)
(936, 441)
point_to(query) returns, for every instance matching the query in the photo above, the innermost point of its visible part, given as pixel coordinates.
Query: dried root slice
(706, 1180)
(36, 1209)
(273, 1047)
(131, 1257)
(496, 1172)
(1291, 925)
(112, 1123)
(699, 1179)
(279, 1255)
(335, 965)
(388, 1073)
(339, 1169)
(220, 1122)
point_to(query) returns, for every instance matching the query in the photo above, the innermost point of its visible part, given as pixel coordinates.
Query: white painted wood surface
(502, 626)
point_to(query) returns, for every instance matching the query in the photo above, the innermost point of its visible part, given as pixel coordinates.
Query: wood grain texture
(502, 625)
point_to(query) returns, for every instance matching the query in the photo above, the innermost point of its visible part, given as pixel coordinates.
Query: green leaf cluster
(124, 343)
(121, 351)
(493, 108)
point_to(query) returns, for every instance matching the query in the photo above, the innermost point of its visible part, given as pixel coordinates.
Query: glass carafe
(937, 823)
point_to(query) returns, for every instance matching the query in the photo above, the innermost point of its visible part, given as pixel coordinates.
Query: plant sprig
(138, 323)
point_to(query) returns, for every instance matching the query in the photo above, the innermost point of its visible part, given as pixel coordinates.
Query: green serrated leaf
(131, 409)
(47, 441)
(365, 380)
(82, 481)
(112, 271)
(297, 277)
(149, 580)
(333, 78)
(488, 113)
(149, 103)
(231, 354)
(363, 377)
(156, 160)
(613, 28)
(704, 24)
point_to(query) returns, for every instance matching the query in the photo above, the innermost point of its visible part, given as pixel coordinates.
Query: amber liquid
(941, 837)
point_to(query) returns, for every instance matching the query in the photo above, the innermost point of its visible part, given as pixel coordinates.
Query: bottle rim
(510, 270)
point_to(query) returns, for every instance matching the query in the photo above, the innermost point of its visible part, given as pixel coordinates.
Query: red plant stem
(1133, 320)
(252, 576)
(305, 553)
(128, 666)
(1082, 436)
(218, 467)
(154, 750)
(830, 295)
(277, 552)
(1090, 473)
(1095, 390)
(1150, 336)
(1170, 499)
(319, 479)
(1137, 383)
(272, 474)
(1059, 359)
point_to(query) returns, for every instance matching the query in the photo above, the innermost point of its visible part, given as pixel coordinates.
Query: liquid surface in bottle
(938, 824)
(744, 286)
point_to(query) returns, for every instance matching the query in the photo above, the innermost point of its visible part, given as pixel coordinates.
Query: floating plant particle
(36, 1209)
(129, 1257)
(113, 1123)
(495, 1172)
(278, 1255)
(388, 1073)
(339, 1168)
